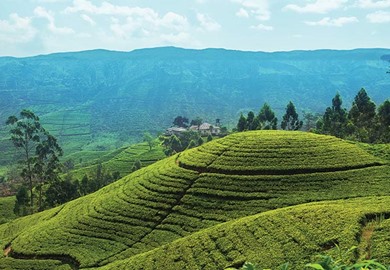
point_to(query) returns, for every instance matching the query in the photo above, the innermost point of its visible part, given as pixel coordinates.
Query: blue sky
(30, 27)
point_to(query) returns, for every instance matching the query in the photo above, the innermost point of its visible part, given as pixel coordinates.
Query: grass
(194, 193)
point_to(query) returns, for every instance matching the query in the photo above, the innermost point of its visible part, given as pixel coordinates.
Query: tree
(148, 138)
(291, 119)
(362, 115)
(267, 118)
(40, 150)
(61, 191)
(251, 121)
(384, 121)
(21, 203)
(196, 122)
(334, 120)
(181, 121)
(209, 138)
(47, 165)
(241, 125)
(310, 120)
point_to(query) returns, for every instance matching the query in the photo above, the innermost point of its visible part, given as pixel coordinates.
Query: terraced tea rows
(277, 152)
(187, 193)
(123, 161)
(291, 235)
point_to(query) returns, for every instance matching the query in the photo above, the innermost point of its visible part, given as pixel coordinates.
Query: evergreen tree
(384, 121)
(251, 121)
(291, 119)
(209, 138)
(241, 125)
(334, 120)
(266, 118)
(362, 115)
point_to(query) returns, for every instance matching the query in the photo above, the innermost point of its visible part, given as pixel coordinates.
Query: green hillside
(123, 159)
(294, 235)
(231, 178)
(100, 100)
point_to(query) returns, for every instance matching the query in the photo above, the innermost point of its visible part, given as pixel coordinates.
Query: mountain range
(94, 100)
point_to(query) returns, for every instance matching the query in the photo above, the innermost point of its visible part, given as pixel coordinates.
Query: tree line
(43, 187)
(364, 121)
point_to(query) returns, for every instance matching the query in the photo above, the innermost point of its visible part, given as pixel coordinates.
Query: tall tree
(241, 125)
(25, 135)
(40, 151)
(334, 120)
(267, 118)
(47, 164)
(291, 118)
(251, 121)
(384, 121)
(362, 115)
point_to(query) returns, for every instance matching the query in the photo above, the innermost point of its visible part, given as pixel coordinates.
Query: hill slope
(97, 99)
(230, 178)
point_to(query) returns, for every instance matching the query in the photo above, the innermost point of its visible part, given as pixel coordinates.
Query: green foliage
(362, 115)
(137, 165)
(290, 119)
(21, 203)
(264, 120)
(267, 118)
(241, 125)
(384, 121)
(149, 140)
(174, 144)
(334, 120)
(61, 191)
(40, 152)
(181, 121)
(185, 211)
(7, 205)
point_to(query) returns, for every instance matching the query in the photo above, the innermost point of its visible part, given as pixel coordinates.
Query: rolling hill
(98, 100)
(216, 206)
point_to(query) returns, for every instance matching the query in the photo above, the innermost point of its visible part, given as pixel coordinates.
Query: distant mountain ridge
(90, 94)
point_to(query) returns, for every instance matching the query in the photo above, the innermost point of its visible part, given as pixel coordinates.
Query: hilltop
(98, 100)
(198, 207)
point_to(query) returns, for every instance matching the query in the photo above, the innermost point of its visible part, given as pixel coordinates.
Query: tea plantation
(217, 206)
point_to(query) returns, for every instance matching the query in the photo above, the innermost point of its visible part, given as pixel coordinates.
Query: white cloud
(373, 4)
(319, 6)
(242, 13)
(379, 17)
(258, 8)
(17, 29)
(43, 13)
(207, 23)
(174, 21)
(338, 22)
(88, 19)
(178, 39)
(262, 27)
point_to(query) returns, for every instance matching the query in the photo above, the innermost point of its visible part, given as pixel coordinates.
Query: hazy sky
(30, 27)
